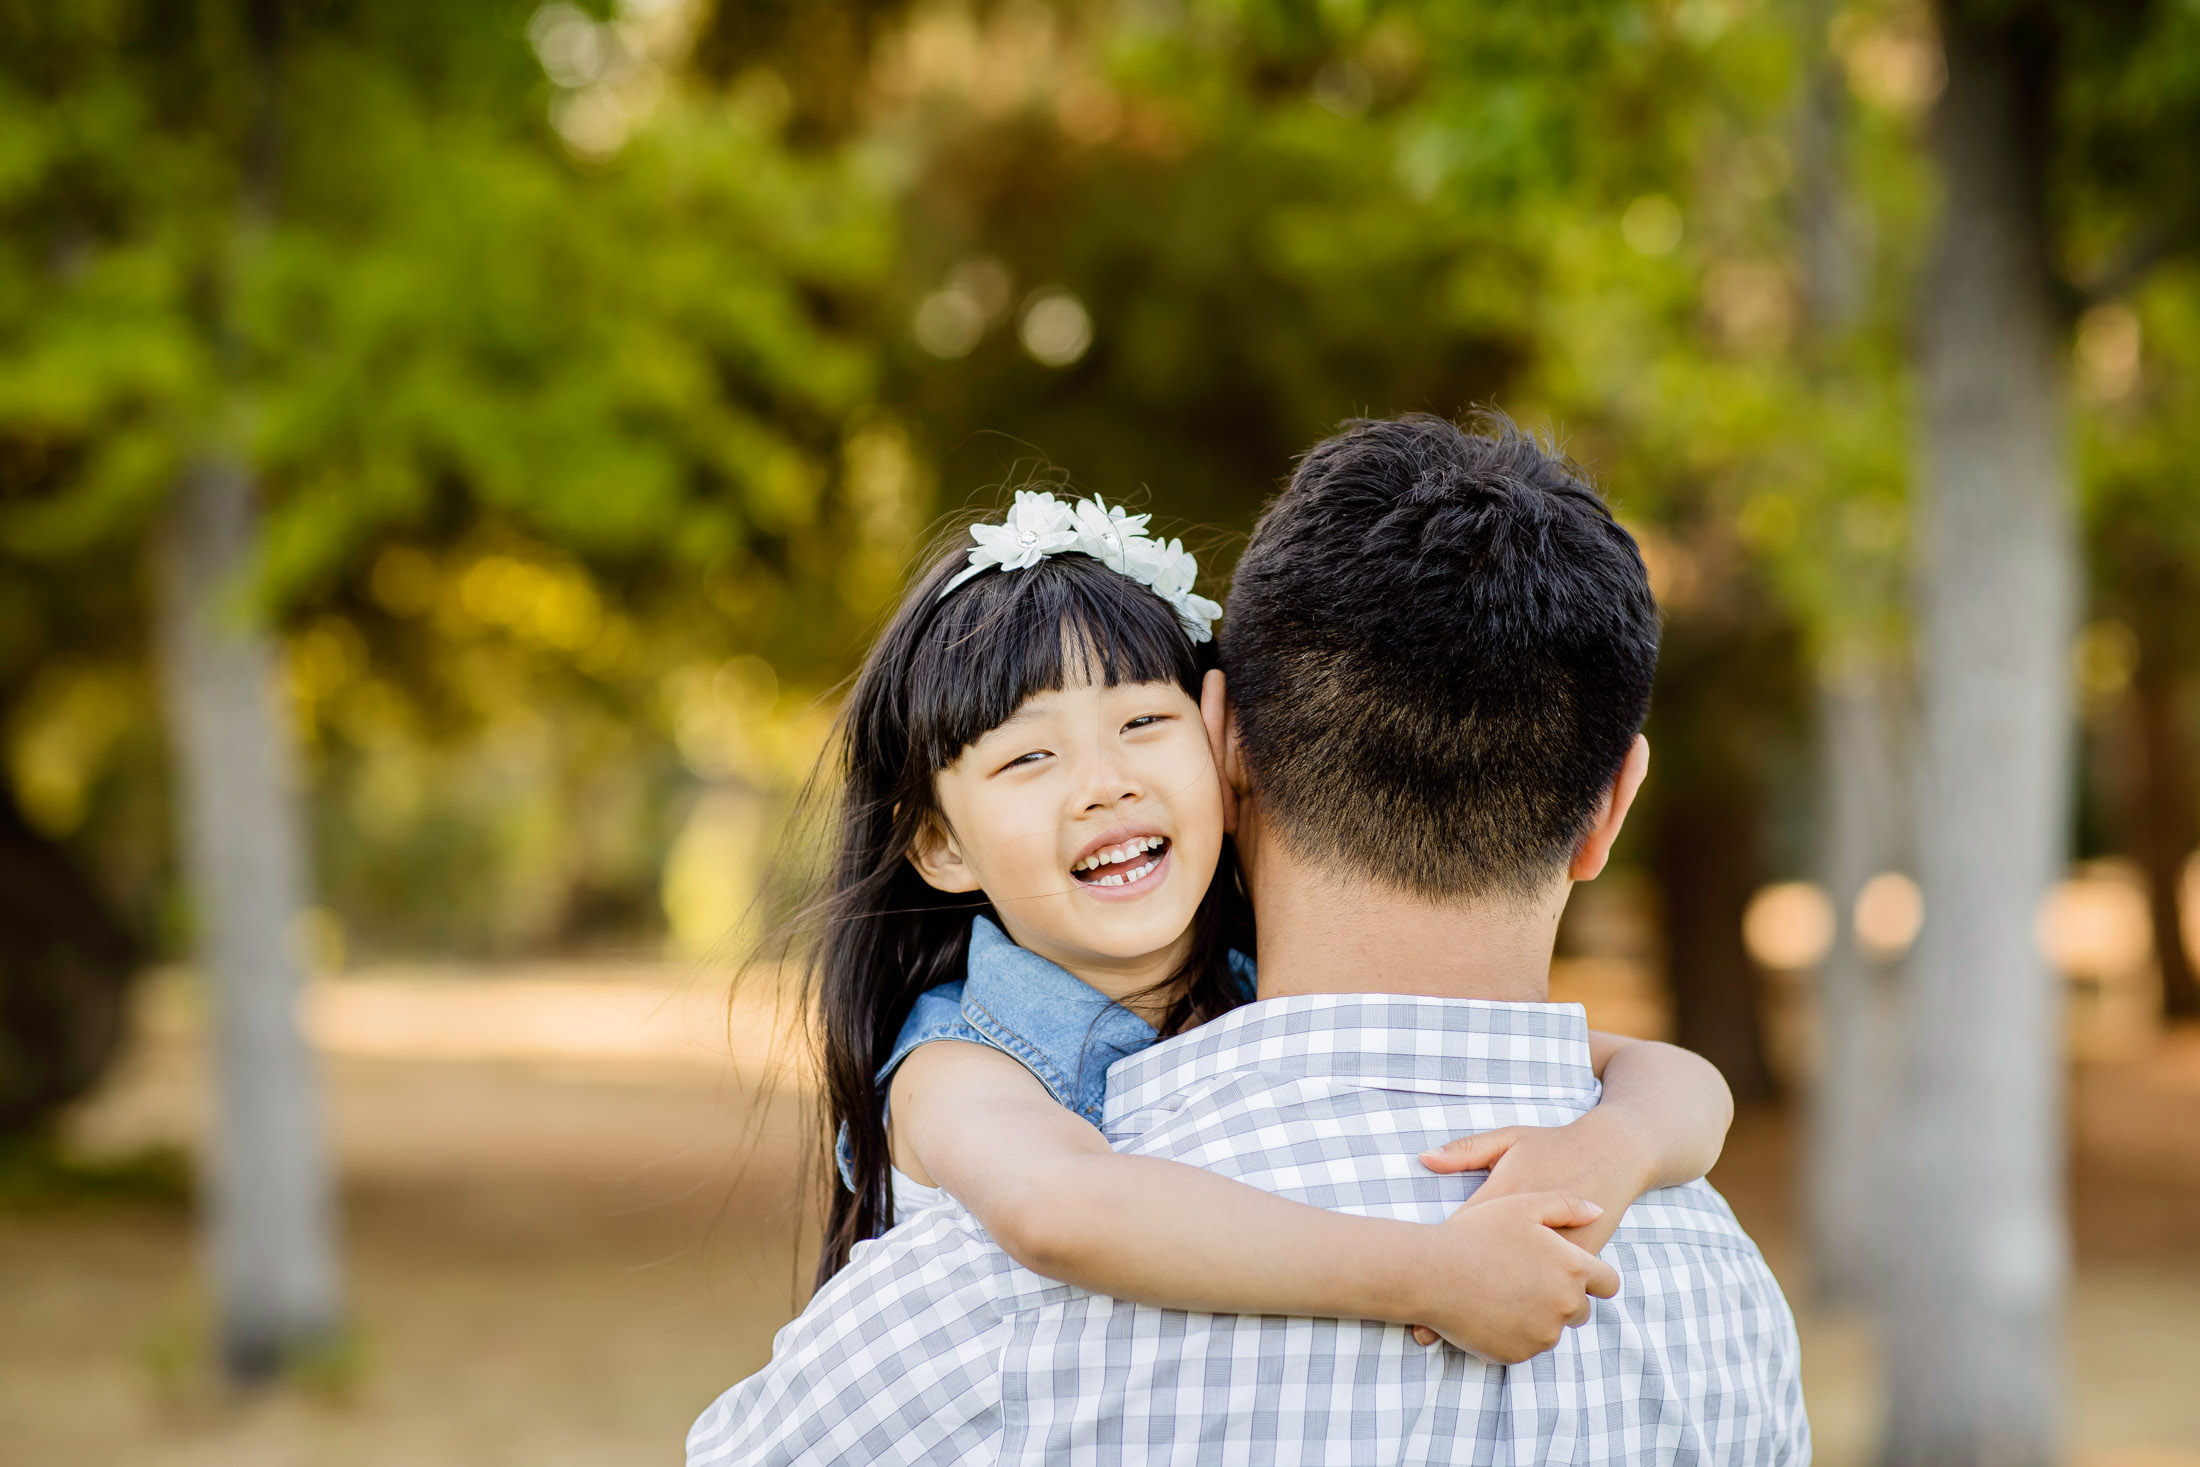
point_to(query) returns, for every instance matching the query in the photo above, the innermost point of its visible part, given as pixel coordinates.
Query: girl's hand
(1591, 1158)
(1507, 1281)
(1661, 1122)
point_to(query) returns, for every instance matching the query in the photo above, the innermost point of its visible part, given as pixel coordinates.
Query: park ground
(569, 1223)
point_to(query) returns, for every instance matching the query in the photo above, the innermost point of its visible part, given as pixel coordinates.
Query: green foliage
(376, 252)
(1581, 213)
(583, 354)
(2139, 374)
(355, 252)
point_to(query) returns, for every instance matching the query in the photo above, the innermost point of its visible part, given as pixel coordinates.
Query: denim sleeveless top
(1053, 1023)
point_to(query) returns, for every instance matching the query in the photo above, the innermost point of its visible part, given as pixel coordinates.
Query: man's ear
(1596, 847)
(1215, 712)
(939, 859)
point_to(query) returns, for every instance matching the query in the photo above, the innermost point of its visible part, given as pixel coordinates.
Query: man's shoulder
(942, 1249)
(1412, 1042)
(1693, 1214)
(894, 1360)
(1695, 1359)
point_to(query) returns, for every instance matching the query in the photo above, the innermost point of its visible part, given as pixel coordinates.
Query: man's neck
(1319, 933)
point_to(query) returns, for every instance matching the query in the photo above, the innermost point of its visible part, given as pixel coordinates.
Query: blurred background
(451, 453)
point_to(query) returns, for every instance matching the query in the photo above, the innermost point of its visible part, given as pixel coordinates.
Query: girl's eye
(1145, 720)
(1022, 759)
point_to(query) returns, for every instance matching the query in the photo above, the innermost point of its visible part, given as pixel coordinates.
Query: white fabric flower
(1170, 570)
(1165, 566)
(1197, 613)
(1106, 534)
(1038, 525)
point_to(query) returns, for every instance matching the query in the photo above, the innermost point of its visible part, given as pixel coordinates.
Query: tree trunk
(1865, 780)
(271, 1215)
(1707, 856)
(66, 961)
(2160, 819)
(1865, 793)
(1725, 704)
(1974, 1330)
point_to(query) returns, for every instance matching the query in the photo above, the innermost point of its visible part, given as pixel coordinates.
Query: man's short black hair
(1440, 646)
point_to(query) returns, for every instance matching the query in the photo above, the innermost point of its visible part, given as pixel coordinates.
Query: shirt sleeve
(896, 1360)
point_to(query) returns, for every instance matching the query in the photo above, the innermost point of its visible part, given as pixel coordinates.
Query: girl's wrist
(1394, 1279)
(1415, 1284)
(1626, 1148)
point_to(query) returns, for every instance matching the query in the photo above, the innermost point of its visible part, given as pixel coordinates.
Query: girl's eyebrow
(1022, 715)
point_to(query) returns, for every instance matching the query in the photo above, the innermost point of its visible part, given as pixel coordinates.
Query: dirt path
(566, 1233)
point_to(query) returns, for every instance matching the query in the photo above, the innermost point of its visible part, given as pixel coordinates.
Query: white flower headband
(1039, 525)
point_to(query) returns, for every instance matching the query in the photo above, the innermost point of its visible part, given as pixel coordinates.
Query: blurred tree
(811, 56)
(65, 962)
(1731, 700)
(2144, 545)
(2133, 219)
(1974, 1339)
(1973, 1345)
(1865, 786)
(75, 918)
(267, 336)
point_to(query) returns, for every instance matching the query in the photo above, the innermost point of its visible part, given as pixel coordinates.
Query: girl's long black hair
(945, 672)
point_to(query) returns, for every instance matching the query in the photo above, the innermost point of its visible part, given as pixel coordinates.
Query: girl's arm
(1662, 1121)
(1497, 1280)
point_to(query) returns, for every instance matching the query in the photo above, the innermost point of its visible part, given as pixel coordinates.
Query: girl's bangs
(1005, 636)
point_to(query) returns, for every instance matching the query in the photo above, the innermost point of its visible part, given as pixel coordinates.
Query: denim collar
(1065, 1031)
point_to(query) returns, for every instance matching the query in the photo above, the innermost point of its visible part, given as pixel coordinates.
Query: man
(1438, 658)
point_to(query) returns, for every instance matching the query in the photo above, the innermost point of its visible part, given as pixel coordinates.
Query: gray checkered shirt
(932, 1346)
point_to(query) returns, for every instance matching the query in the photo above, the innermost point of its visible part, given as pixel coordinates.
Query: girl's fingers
(1474, 1153)
(1559, 1210)
(1423, 1335)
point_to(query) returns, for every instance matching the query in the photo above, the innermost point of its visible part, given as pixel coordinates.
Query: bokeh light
(2108, 342)
(1789, 925)
(2095, 926)
(1056, 330)
(1890, 911)
(1651, 225)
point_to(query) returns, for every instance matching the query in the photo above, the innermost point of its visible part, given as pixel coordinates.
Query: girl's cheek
(1200, 811)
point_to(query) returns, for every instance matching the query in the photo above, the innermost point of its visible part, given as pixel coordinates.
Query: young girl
(1033, 880)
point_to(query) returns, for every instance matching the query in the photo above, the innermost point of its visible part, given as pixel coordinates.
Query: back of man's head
(1440, 648)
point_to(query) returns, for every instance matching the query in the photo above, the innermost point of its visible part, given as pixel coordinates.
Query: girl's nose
(1109, 782)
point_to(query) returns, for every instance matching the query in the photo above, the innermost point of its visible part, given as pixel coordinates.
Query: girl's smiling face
(1092, 819)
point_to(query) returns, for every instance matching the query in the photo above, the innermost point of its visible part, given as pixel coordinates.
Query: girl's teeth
(1119, 853)
(1127, 877)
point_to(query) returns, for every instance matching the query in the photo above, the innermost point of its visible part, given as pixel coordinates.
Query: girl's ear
(1221, 726)
(939, 859)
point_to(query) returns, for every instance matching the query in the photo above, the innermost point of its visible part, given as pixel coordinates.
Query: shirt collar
(1065, 1031)
(1451, 1046)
